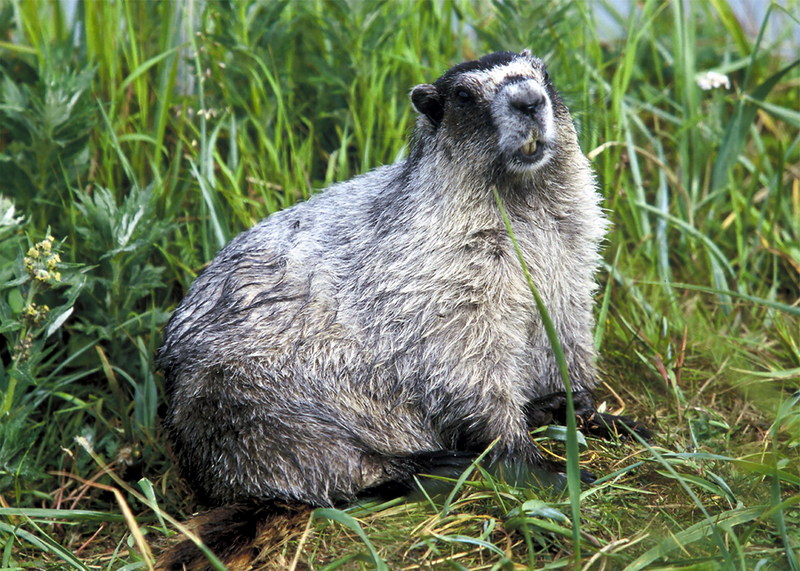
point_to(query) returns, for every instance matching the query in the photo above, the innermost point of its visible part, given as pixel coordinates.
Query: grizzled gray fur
(344, 343)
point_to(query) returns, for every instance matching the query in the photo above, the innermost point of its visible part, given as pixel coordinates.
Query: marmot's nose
(528, 101)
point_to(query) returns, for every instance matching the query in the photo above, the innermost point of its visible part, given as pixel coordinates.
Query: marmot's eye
(463, 96)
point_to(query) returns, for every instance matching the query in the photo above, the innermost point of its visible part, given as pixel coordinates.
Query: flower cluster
(22, 348)
(33, 314)
(41, 261)
(713, 80)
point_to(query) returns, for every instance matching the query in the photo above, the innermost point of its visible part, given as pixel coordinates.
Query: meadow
(137, 138)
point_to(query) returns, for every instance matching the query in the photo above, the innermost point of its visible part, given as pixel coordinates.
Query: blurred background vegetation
(136, 138)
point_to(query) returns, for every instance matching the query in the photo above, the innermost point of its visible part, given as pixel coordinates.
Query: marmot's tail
(236, 534)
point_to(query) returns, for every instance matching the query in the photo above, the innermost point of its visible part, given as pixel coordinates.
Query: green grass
(146, 135)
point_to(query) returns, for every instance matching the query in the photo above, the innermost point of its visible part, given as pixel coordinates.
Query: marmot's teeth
(529, 147)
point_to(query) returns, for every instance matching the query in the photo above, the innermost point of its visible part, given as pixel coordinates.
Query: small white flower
(713, 80)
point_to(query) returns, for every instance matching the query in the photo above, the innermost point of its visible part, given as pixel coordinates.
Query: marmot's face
(498, 111)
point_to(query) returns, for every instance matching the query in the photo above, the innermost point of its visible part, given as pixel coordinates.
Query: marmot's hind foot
(552, 409)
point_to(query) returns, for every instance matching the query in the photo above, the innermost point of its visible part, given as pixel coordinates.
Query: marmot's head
(500, 114)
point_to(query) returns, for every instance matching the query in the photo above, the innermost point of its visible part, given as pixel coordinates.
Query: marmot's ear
(426, 100)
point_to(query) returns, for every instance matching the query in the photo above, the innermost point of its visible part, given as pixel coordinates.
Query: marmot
(349, 342)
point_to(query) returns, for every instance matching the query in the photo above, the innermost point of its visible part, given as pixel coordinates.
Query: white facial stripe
(495, 76)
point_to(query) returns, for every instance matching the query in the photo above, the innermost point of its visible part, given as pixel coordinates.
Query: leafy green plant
(37, 296)
(47, 123)
(117, 305)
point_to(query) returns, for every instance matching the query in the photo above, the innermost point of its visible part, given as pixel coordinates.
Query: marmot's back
(349, 342)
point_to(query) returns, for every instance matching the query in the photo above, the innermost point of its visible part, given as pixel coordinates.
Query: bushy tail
(236, 534)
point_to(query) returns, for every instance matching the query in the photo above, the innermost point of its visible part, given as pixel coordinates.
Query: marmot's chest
(491, 261)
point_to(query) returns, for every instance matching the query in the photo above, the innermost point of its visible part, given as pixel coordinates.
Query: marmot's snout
(524, 112)
(528, 99)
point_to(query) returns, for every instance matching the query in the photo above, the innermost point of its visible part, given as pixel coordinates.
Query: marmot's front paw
(547, 474)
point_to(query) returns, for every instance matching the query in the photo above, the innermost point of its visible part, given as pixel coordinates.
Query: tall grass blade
(573, 454)
(737, 131)
(45, 543)
(725, 293)
(790, 540)
(711, 525)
